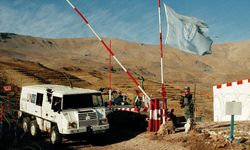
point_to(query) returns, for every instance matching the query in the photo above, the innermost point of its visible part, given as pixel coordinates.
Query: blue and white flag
(187, 33)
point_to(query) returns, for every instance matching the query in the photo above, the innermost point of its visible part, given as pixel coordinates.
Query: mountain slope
(85, 61)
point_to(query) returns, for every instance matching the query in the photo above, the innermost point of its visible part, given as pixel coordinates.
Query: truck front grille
(87, 123)
(87, 118)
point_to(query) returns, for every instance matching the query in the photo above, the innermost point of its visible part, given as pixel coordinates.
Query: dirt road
(206, 137)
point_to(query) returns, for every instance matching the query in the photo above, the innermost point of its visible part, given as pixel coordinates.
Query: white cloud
(51, 21)
(129, 20)
(46, 21)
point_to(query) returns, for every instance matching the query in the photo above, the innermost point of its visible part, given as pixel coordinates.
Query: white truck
(61, 110)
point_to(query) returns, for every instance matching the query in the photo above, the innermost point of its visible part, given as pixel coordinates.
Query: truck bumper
(100, 128)
(94, 128)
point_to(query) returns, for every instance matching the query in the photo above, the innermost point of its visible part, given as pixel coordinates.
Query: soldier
(141, 81)
(188, 105)
(118, 100)
(139, 99)
(57, 105)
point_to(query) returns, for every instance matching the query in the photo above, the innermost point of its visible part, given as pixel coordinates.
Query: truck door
(52, 108)
(46, 109)
(39, 102)
(35, 104)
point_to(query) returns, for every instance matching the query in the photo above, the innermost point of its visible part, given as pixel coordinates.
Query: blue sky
(132, 20)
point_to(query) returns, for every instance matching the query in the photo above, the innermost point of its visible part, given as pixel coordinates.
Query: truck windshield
(82, 101)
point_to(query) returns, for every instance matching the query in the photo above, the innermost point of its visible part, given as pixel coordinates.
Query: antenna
(67, 78)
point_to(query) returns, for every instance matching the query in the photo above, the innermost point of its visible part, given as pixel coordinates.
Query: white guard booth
(238, 91)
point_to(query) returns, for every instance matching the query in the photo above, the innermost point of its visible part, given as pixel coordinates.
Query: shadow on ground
(123, 126)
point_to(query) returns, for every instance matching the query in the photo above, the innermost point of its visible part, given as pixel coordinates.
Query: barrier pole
(163, 89)
(150, 122)
(110, 77)
(109, 50)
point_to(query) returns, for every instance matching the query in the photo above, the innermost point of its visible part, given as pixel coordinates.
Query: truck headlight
(72, 125)
(103, 121)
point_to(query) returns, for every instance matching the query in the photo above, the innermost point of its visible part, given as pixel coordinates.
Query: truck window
(39, 99)
(82, 101)
(56, 103)
(33, 98)
(49, 97)
(49, 94)
(97, 100)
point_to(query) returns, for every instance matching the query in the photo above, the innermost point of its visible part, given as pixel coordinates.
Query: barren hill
(31, 60)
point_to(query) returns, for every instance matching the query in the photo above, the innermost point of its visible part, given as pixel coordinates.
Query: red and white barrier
(163, 89)
(110, 77)
(150, 121)
(154, 116)
(109, 50)
(155, 111)
(137, 110)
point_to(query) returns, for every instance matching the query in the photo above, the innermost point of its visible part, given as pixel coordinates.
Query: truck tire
(25, 124)
(55, 136)
(34, 128)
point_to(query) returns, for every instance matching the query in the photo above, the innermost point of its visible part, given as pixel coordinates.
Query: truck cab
(61, 110)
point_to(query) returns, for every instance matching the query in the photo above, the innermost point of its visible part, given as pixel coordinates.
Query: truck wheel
(25, 124)
(55, 136)
(34, 128)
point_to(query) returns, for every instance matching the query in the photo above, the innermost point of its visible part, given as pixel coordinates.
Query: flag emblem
(189, 31)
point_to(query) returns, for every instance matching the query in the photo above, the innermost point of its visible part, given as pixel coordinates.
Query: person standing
(187, 103)
(141, 78)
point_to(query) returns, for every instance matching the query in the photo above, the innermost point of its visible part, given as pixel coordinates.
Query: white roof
(60, 89)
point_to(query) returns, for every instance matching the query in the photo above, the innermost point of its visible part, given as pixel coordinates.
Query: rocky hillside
(83, 62)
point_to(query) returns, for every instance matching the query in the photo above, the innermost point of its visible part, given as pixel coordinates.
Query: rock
(222, 145)
(247, 142)
(166, 128)
(242, 140)
(198, 130)
(215, 137)
(213, 133)
(206, 135)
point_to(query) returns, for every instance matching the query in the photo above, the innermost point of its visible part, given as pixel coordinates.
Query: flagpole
(163, 89)
(110, 77)
(109, 50)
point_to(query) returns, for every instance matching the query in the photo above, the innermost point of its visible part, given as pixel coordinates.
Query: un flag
(187, 33)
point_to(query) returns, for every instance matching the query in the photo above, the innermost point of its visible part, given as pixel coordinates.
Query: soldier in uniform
(187, 103)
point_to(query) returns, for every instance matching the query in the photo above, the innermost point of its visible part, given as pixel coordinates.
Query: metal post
(232, 128)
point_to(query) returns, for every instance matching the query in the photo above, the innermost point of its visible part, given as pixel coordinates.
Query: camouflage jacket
(187, 103)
